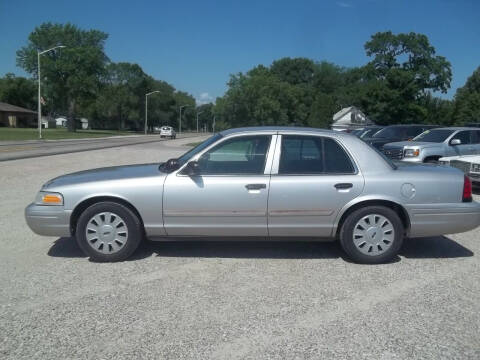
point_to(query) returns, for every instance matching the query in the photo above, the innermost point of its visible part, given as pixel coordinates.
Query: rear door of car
(313, 177)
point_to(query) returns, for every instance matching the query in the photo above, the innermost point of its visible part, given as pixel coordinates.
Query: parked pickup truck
(431, 145)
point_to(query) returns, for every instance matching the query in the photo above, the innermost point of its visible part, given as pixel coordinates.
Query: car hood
(402, 144)
(105, 174)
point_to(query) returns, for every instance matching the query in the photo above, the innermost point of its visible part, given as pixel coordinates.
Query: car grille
(394, 154)
(461, 165)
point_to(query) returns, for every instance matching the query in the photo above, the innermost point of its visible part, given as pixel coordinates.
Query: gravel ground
(231, 300)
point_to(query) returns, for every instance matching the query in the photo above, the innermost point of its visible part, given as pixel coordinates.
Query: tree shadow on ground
(420, 248)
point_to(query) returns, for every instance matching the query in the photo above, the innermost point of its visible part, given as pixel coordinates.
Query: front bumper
(48, 220)
(440, 219)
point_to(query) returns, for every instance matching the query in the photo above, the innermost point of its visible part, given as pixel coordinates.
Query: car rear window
(305, 155)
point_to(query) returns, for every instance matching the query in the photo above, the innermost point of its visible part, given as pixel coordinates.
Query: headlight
(49, 198)
(443, 162)
(475, 168)
(411, 152)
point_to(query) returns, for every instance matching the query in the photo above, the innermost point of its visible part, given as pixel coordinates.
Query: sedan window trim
(272, 135)
(278, 153)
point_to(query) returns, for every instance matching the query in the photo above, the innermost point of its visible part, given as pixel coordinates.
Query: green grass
(12, 134)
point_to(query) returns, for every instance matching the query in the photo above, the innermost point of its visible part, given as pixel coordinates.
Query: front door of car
(228, 196)
(313, 177)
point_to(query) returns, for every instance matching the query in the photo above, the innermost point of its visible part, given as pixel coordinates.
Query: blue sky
(196, 45)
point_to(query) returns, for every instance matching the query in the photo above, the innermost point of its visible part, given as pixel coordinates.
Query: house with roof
(350, 118)
(16, 116)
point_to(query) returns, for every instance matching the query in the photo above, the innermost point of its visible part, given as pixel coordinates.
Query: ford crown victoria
(259, 183)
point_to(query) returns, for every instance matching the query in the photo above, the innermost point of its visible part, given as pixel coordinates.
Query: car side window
(476, 137)
(303, 155)
(463, 136)
(245, 155)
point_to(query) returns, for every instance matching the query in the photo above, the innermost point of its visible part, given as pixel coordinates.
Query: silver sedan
(259, 183)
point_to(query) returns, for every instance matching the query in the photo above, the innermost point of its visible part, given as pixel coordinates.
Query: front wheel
(372, 235)
(108, 232)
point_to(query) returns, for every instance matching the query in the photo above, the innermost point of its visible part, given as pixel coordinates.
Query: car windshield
(369, 132)
(389, 132)
(435, 136)
(191, 153)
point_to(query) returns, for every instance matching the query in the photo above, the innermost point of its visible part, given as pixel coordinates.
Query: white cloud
(204, 98)
(344, 4)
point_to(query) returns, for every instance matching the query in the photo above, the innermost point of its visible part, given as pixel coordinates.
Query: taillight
(467, 189)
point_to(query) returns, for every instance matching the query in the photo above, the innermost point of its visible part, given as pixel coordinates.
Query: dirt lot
(235, 300)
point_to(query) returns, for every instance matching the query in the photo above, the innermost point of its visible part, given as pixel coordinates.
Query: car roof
(455, 128)
(278, 128)
(407, 125)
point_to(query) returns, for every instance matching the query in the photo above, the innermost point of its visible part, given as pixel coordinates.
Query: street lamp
(198, 113)
(180, 119)
(146, 107)
(39, 91)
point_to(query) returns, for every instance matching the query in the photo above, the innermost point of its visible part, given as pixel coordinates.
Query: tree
(467, 100)
(18, 91)
(412, 55)
(294, 71)
(74, 72)
(403, 72)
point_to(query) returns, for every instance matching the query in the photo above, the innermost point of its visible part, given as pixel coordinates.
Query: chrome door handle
(256, 186)
(343, 186)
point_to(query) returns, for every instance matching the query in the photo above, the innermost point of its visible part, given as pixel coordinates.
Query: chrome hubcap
(106, 233)
(373, 234)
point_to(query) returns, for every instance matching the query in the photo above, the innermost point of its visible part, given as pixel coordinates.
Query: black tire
(132, 223)
(346, 235)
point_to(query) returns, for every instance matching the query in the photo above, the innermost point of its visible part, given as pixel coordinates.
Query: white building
(61, 121)
(84, 123)
(350, 118)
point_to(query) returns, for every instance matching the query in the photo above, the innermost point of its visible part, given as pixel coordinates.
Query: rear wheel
(108, 231)
(372, 235)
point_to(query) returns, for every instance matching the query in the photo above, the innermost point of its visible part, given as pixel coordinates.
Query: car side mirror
(171, 165)
(455, 142)
(191, 169)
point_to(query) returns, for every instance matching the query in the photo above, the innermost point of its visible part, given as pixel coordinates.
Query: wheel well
(80, 208)
(433, 157)
(400, 210)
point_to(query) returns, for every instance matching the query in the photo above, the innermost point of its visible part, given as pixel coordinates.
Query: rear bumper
(440, 219)
(48, 220)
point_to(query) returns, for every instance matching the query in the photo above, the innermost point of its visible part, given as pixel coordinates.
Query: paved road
(14, 150)
(232, 300)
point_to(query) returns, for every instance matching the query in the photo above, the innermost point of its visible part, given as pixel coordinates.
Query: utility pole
(39, 90)
(213, 125)
(198, 113)
(180, 119)
(146, 107)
